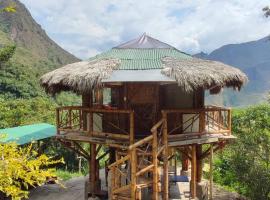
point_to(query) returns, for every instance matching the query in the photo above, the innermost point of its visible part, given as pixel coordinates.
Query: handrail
(155, 127)
(140, 142)
(118, 162)
(196, 110)
(144, 170)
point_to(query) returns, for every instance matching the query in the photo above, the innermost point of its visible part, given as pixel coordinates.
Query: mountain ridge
(251, 57)
(34, 47)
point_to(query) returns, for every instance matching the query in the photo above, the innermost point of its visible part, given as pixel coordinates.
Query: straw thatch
(196, 73)
(79, 77)
(190, 74)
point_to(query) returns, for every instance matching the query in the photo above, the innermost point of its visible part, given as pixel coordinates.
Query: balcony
(115, 127)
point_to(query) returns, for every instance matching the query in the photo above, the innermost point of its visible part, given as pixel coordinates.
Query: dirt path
(75, 191)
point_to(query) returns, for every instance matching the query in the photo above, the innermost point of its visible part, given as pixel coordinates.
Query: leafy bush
(26, 111)
(245, 165)
(21, 168)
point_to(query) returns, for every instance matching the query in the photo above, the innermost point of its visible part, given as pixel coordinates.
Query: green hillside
(35, 53)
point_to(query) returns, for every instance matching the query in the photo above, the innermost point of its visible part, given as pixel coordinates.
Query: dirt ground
(75, 191)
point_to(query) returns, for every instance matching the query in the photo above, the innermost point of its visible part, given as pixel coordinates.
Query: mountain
(254, 59)
(35, 53)
(34, 47)
(201, 55)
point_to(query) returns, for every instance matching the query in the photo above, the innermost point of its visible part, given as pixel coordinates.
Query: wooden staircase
(136, 169)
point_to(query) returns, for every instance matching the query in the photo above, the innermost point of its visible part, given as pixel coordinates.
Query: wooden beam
(155, 163)
(199, 163)
(93, 170)
(193, 172)
(82, 150)
(211, 172)
(133, 162)
(165, 158)
(131, 128)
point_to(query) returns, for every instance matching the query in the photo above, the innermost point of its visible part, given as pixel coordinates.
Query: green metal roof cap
(143, 53)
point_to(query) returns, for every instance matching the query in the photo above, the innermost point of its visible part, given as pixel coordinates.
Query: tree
(247, 161)
(6, 54)
(22, 168)
(9, 8)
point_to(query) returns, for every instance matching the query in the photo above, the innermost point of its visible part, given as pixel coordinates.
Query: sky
(88, 27)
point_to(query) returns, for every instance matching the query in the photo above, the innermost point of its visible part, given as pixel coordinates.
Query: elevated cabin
(143, 101)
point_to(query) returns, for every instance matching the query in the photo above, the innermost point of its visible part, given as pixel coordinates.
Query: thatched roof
(190, 73)
(196, 73)
(79, 77)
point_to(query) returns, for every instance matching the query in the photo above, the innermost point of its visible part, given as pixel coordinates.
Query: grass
(66, 175)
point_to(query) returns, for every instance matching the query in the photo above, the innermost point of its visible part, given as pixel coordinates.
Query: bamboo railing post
(133, 163)
(193, 172)
(112, 181)
(229, 121)
(211, 172)
(93, 169)
(117, 174)
(91, 121)
(165, 158)
(155, 163)
(131, 128)
(202, 122)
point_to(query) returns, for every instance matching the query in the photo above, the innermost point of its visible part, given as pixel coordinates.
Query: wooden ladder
(137, 168)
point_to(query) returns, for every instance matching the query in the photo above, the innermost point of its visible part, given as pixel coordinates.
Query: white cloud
(88, 27)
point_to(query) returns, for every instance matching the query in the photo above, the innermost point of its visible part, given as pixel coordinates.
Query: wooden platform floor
(204, 139)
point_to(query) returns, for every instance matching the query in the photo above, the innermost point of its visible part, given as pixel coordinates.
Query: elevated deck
(184, 127)
(184, 130)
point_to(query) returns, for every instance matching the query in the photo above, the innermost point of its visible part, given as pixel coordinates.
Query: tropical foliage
(22, 168)
(245, 165)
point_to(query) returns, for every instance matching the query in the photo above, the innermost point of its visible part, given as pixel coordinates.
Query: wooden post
(193, 172)
(117, 177)
(185, 160)
(155, 169)
(165, 158)
(202, 122)
(131, 128)
(211, 172)
(86, 102)
(93, 170)
(199, 162)
(230, 120)
(133, 162)
(90, 124)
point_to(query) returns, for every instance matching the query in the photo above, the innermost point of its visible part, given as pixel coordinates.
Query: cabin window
(107, 96)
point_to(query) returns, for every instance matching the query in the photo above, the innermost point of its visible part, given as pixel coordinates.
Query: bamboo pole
(230, 120)
(165, 159)
(199, 163)
(155, 163)
(193, 172)
(211, 172)
(131, 128)
(93, 169)
(91, 126)
(133, 161)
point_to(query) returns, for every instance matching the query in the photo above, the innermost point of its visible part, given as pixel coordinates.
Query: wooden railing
(193, 122)
(81, 119)
(127, 171)
(181, 122)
